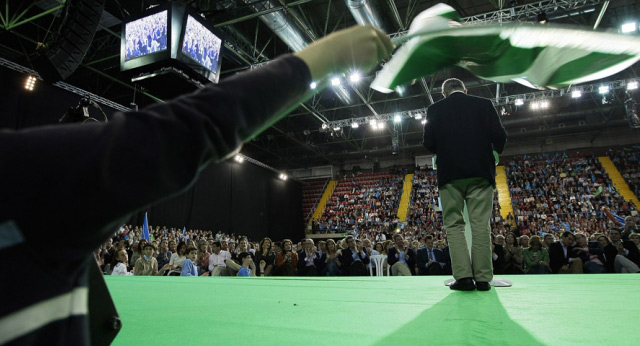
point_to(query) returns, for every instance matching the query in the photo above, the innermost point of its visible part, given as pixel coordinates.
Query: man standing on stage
(463, 131)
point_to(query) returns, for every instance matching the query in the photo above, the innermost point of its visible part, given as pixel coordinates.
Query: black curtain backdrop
(230, 197)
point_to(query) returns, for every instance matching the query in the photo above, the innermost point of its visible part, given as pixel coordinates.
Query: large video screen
(146, 35)
(201, 45)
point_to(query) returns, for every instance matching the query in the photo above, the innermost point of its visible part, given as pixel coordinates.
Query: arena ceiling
(299, 140)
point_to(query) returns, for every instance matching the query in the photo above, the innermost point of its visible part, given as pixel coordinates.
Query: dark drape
(230, 197)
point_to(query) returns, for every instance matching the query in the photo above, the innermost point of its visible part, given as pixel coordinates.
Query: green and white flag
(538, 56)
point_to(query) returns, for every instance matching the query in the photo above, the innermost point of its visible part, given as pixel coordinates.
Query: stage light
(544, 104)
(354, 77)
(381, 126)
(373, 123)
(30, 83)
(535, 105)
(632, 86)
(628, 27)
(576, 94)
(424, 121)
(519, 102)
(337, 128)
(354, 125)
(603, 89)
(542, 18)
(283, 176)
(313, 85)
(325, 126)
(401, 90)
(397, 119)
(335, 81)
(418, 116)
(239, 158)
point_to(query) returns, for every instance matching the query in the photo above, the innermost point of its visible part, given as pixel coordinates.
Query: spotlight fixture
(325, 126)
(576, 94)
(354, 77)
(354, 125)
(397, 119)
(335, 81)
(603, 89)
(283, 176)
(30, 83)
(542, 18)
(313, 85)
(373, 123)
(418, 116)
(535, 105)
(544, 104)
(424, 121)
(381, 125)
(628, 28)
(632, 85)
(238, 158)
(337, 128)
(519, 102)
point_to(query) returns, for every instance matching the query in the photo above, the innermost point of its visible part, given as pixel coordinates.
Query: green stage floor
(537, 310)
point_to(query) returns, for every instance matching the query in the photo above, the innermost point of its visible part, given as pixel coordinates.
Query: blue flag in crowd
(145, 229)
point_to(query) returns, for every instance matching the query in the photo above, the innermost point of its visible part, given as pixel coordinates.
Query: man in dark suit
(497, 258)
(463, 131)
(310, 262)
(562, 258)
(430, 259)
(354, 259)
(401, 259)
(622, 255)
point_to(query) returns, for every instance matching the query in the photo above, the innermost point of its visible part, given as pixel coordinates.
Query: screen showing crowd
(201, 45)
(146, 35)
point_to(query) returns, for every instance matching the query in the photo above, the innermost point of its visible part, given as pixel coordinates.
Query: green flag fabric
(538, 56)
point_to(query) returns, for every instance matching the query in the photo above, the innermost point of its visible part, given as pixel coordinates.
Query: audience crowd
(568, 218)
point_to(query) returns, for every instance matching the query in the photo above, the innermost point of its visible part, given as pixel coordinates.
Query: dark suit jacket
(610, 252)
(556, 256)
(346, 258)
(318, 261)
(423, 257)
(463, 131)
(411, 262)
(498, 263)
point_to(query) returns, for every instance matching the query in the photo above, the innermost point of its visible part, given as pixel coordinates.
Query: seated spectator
(287, 259)
(122, 261)
(513, 255)
(634, 237)
(203, 257)
(625, 254)
(310, 262)
(234, 264)
(147, 265)
(354, 259)
(563, 259)
(178, 258)
(429, 258)
(248, 268)
(189, 267)
(401, 258)
(497, 256)
(217, 260)
(265, 254)
(332, 260)
(536, 258)
(523, 241)
(548, 239)
(164, 255)
(107, 254)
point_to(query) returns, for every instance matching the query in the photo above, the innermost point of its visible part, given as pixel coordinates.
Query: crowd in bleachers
(555, 192)
(362, 202)
(627, 161)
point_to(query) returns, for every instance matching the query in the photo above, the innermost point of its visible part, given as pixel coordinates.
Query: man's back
(463, 131)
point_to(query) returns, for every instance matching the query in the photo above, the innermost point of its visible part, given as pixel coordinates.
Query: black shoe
(483, 286)
(464, 284)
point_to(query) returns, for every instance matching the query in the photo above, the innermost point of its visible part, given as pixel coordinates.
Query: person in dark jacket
(463, 131)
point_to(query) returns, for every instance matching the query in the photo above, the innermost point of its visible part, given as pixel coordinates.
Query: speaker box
(65, 53)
